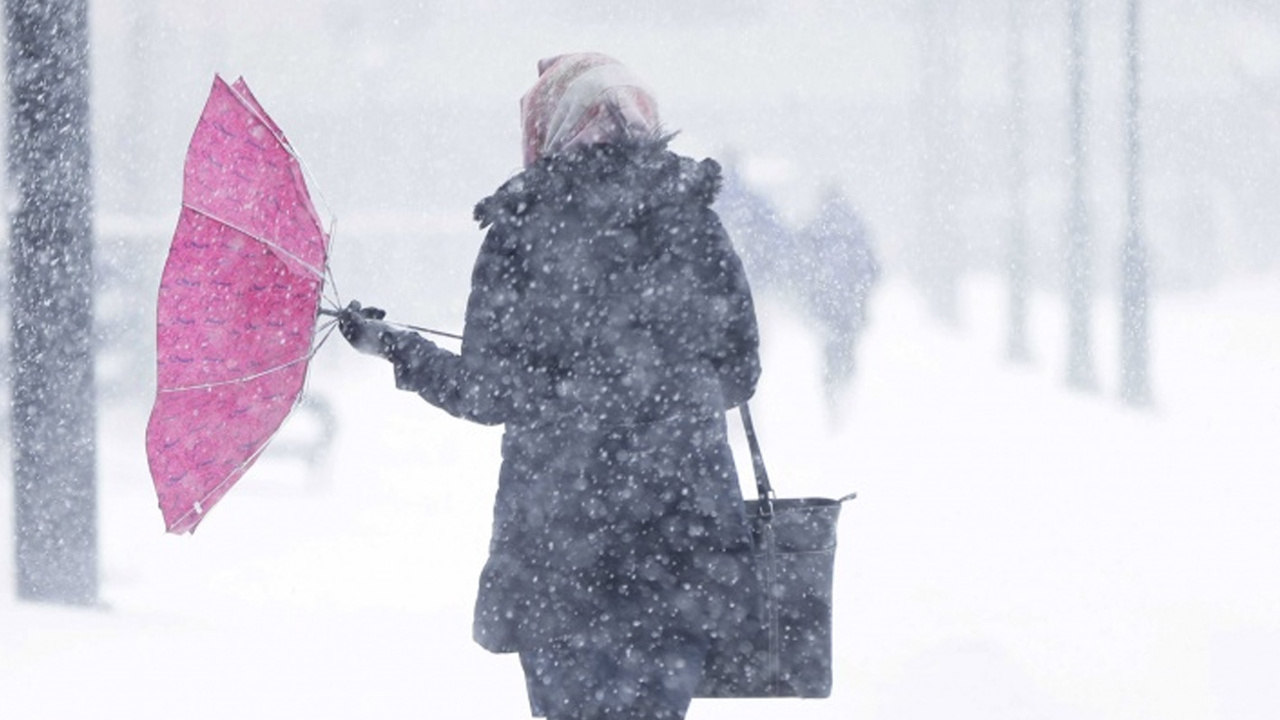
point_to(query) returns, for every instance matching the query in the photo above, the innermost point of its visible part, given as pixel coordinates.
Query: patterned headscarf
(584, 99)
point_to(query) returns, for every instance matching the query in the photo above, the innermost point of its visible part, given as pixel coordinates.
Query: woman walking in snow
(609, 327)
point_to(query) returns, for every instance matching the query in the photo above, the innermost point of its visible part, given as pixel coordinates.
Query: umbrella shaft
(441, 333)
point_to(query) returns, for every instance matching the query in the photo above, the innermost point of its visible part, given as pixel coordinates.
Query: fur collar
(617, 183)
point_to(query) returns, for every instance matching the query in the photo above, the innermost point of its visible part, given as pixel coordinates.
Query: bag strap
(763, 488)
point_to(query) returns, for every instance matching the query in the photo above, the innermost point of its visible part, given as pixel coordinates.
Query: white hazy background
(1018, 550)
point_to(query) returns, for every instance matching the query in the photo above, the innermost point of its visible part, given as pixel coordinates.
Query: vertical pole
(1017, 250)
(1134, 361)
(1079, 266)
(134, 133)
(51, 257)
(937, 253)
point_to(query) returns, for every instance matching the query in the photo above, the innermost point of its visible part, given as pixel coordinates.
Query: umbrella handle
(338, 313)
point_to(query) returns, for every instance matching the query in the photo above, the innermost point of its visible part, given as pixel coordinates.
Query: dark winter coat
(609, 327)
(765, 242)
(839, 269)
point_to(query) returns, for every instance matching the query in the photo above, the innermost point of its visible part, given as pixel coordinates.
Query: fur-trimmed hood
(615, 183)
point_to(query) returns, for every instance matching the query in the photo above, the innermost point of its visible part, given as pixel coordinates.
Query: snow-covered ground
(1017, 550)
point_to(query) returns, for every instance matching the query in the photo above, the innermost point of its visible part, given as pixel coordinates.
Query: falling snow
(918, 193)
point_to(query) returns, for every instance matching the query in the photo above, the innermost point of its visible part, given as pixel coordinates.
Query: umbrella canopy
(236, 316)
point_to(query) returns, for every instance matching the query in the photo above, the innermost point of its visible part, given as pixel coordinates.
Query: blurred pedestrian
(841, 271)
(609, 327)
(766, 243)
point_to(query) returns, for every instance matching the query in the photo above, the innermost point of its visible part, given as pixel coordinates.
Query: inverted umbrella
(236, 314)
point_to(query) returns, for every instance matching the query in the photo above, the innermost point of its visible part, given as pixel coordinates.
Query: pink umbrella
(236, 317)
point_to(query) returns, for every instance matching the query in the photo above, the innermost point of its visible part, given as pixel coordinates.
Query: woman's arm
(735, 348)
(480, 384)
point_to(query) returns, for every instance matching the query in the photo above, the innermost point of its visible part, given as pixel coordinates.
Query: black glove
(364, 329)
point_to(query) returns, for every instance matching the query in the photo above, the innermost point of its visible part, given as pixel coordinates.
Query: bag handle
(763, 488)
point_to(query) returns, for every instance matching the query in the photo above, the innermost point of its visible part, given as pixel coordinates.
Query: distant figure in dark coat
(766, 243)
(609, 327)
(839, 274)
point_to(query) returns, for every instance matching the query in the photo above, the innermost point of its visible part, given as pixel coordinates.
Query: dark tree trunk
(1135, 386)
(936, 254)
(1079, 261)
(51, 257)
(1017, 257)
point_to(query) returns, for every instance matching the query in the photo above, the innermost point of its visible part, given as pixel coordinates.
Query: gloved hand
(364, 329)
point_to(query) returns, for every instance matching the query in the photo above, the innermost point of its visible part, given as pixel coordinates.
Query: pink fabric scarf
(584, 99)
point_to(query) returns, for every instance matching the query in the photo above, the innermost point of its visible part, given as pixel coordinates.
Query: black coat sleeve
(480, 383)
(506, 371)
(734, 347)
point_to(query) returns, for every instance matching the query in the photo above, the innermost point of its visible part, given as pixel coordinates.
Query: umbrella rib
(276, 133)
(234, 381)
(274, 246)
(271, 127)
(197, 506)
